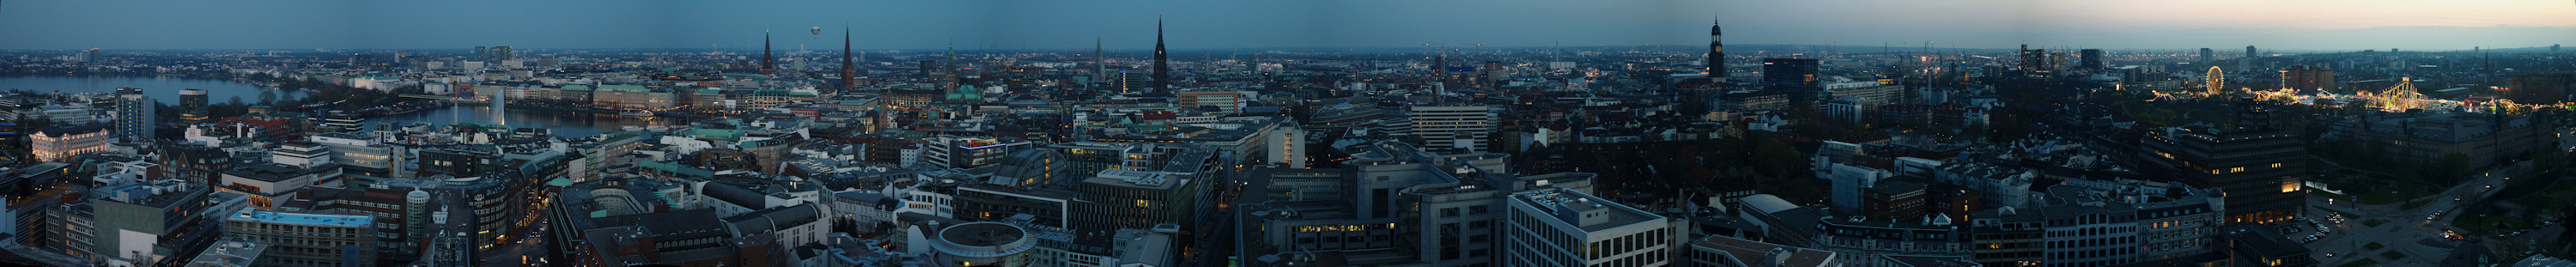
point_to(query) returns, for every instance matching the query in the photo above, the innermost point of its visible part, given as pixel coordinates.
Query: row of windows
(1471, 210)
(1641, 259)
(1625, 244)
(2058, 257)
(2093, 242)
(2090, 231)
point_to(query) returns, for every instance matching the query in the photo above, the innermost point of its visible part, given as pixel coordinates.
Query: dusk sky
(2286, 25)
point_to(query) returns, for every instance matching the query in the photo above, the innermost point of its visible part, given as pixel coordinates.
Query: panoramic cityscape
(1146, 133)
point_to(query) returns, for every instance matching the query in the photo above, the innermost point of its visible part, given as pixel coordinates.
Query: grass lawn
(2485, 225)
(2393, 255)
(2374, 223)
(2335, 196)
(2373, 246)
(2557, 196)
(2392, 196)
(2360, 263)
(2416, 204)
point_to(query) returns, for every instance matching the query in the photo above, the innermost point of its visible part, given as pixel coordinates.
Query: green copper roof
(624, 88)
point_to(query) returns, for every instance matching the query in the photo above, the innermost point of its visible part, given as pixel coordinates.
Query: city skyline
(976, 25)
(1428, 133)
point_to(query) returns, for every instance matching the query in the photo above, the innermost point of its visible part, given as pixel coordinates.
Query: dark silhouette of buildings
(2089, 59)
(2256, 165)
(2308, 78)
(2540, 88)
(1793, 76)
(2205, 56)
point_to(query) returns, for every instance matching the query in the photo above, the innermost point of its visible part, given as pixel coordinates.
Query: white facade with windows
(1560, 227)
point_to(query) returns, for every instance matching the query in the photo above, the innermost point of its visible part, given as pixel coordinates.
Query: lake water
(166, 90)
(163, 88)
(564, 124)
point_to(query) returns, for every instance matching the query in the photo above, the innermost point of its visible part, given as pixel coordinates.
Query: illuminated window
(2236, 169)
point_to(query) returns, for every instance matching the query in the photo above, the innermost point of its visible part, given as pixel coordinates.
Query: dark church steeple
(768, 63)
(849, 73)
(1716, 53)
(1162, 69)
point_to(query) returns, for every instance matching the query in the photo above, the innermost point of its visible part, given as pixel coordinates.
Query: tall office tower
(768, 62)
(2308, 78)
(927, 67)
(1795, 77)
(2205, 56)
(1453, 129)
(1716, 54)
(133, 115)
(1563, 228)
(1440, 67)
(2034, 62)
(90, 55)
(2216, 80)
(2249, 52)
(2090, 59)
(1493, 71)
(482, 51)
(849, 73)
(2256, 166)
(2058, 60)
(192, 106)
(499, 54)
(1162, 69)
(2553, 49)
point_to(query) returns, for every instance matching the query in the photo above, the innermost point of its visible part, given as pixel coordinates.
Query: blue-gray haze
(1128, 24)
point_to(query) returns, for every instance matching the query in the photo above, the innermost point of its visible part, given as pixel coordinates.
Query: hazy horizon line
(1767, 46)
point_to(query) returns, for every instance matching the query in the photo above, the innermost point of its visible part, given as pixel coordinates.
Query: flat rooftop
(306, 219)
(1561, 203)
(1751, 250)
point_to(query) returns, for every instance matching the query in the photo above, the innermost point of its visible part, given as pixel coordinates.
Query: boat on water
(631, 128)
(637, 113)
